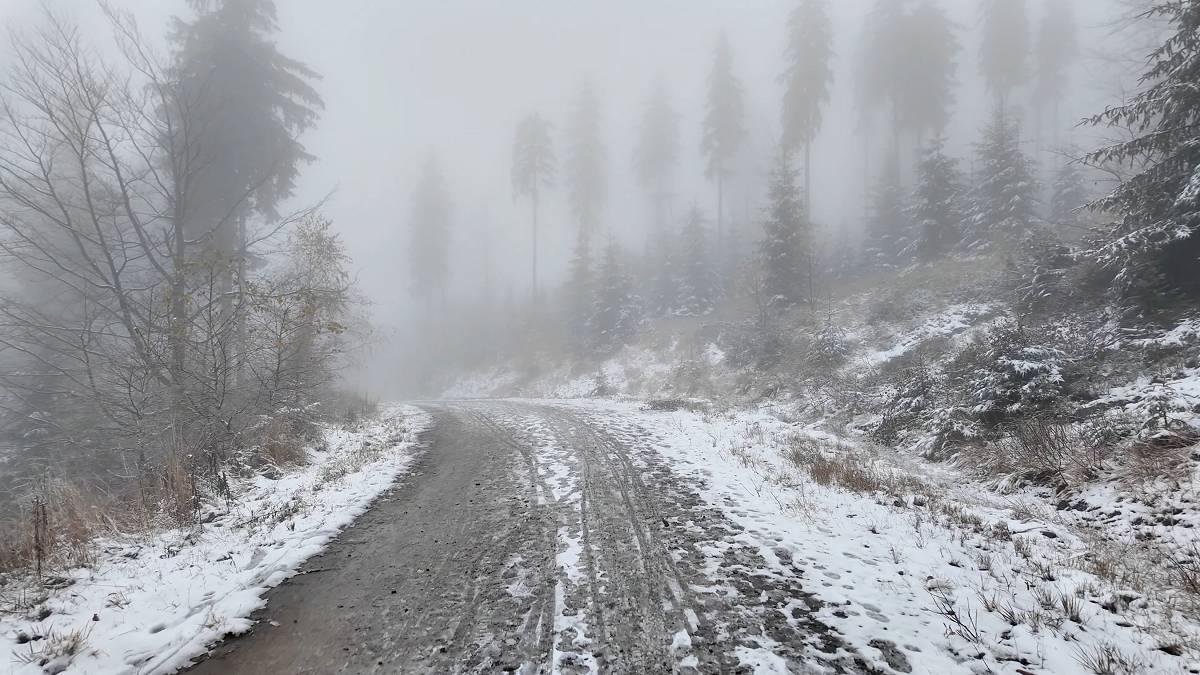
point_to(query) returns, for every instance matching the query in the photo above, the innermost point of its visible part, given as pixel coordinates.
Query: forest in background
(164, 324)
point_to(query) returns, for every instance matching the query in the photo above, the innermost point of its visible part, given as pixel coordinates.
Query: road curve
(535, 538)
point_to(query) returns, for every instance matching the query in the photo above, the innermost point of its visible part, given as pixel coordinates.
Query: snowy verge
(921, 574)
(152, 603)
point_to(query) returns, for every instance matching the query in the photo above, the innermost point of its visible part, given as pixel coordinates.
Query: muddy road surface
(535, 538)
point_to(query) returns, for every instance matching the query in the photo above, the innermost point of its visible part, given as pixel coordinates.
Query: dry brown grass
(56, 531)
(837, 465)
(282, 444)
(57, 524)
(1166, 458)
(1108, 659)
(1042, 451)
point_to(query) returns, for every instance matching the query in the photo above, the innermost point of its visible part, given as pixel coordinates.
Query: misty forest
(786, 336)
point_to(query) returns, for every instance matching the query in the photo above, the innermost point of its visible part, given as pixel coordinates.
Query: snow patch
(152, 604)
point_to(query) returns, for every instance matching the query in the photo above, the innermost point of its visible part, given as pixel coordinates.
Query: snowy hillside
(150, 602)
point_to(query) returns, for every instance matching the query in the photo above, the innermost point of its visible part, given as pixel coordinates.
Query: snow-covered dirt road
(538, 538)
(602, 537)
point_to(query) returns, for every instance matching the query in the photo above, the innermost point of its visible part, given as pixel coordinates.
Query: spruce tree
(697, 292)
(657, 152)
(926, 92)
(617, 310)
(533, 170)
(807, 80)
(242, 107)
(1003, 202)
(880, 59)
(586, 184)
(1056, 49)
(785, 249)
(889, 232)
(579, 296)
(254, 104)
(663, 266)
(936, 210)
(429, 236)
(1069, 197)
(1004, 50)
(1153, 248)
(723, 131)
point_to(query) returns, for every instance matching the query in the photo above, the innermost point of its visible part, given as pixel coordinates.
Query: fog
(603, 332)
(404, 82)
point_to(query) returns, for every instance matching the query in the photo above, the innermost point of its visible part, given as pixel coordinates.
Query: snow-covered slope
(148, 604)
(958, 580)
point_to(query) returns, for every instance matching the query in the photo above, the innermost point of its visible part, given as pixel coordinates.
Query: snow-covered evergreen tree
(579, 295)
(1018, 377)
(1069, 196)
(1038, 274)
(829, 347)
(936, 210)
(889, 231)
(1003, 202)
(1155, 244)
(663, 274)
(617, 309)
(698, 287)
(785, 249)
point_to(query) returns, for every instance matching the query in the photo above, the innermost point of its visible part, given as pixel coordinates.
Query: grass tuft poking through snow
(921, 572)
(156, 602)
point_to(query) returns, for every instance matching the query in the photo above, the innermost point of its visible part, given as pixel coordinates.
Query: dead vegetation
(835, 464)
(52, 650)
(55, 528)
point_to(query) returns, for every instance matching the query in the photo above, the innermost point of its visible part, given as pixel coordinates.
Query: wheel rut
(536, 538)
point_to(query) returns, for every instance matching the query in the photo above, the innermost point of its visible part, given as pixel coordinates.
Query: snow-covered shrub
(1040, 274)
(692, 376)
(283, 440)
(740, 342)
(1168, 424)
(1011, 375)
(774, 349)
(602, 386)
(1165, 410)
(950, 428)
(1044, 451)
(829, 347)
(905, 401)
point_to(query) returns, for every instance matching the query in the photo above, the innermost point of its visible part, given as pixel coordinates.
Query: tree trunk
(240, 337)
(1054, 124)
(177, 331)
(534, 201)
(808, 180)
(866, 201)
(720, 203)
